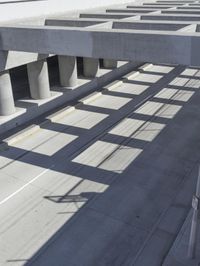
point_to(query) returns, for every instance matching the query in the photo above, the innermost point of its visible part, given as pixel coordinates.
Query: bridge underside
(158, 32)
(109, 179)
(150, 32)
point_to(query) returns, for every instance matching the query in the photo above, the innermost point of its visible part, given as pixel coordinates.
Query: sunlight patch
(55, 144)
(110, 102)
(190, 72)
(174, 94)
(150, 78)
(82, 119)
(108, 156)
(160, 69)
(127, 127)
(186, 82)
(131, 88)
(137, 129)
(159, 109)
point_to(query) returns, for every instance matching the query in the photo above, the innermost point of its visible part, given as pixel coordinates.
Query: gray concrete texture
(171, 47)
(102, 185)
(28, 108)
(7, 106)
(39, 79)
(90, 67)
(110, 180)
(67, 71)
(178, 253)
(100, 42)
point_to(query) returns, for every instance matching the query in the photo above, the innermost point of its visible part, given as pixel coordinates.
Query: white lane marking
(24, 186)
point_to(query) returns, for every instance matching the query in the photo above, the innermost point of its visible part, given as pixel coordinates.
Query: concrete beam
(176, 1)
(188, 7)
(149, 7)
(189, 28)
(127, 45)
(73, 22)
(148, 26)
(122, 15)
(90, 65)
(130, 10)
(163, 4)
(7, 106)
(11, 59)
(184, 23)
(80, 22)
(177, 17)
(108, 15)
(176, 12)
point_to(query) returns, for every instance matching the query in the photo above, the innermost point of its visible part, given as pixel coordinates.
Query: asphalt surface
(108, 184)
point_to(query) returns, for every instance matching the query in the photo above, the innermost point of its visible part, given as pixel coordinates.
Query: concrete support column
(90, 67)
(110, 63)
(7, 106)
(39, 79)
(68, 71)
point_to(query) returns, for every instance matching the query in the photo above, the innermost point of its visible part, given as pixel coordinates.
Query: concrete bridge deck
(109, 183)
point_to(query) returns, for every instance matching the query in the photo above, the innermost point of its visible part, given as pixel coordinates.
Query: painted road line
(25, 186)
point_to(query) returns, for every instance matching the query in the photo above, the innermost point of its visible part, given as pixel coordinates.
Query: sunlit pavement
(108, 184)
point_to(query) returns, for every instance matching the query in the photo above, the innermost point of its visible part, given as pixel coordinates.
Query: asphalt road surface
(109, 183)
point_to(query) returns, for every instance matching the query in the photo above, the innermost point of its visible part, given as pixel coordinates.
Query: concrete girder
(11, 59)
(177, 17)
(188, 7)
(163, 4)
(175, 12)
(73, 22)
(144, 46)
(142, 25)
(119, 10)
(109, 15)
(149, 7)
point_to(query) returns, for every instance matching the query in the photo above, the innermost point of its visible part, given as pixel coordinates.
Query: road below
(109, 183)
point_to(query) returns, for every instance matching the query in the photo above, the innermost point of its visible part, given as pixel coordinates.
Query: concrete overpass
(107, 179)
(157, 34)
